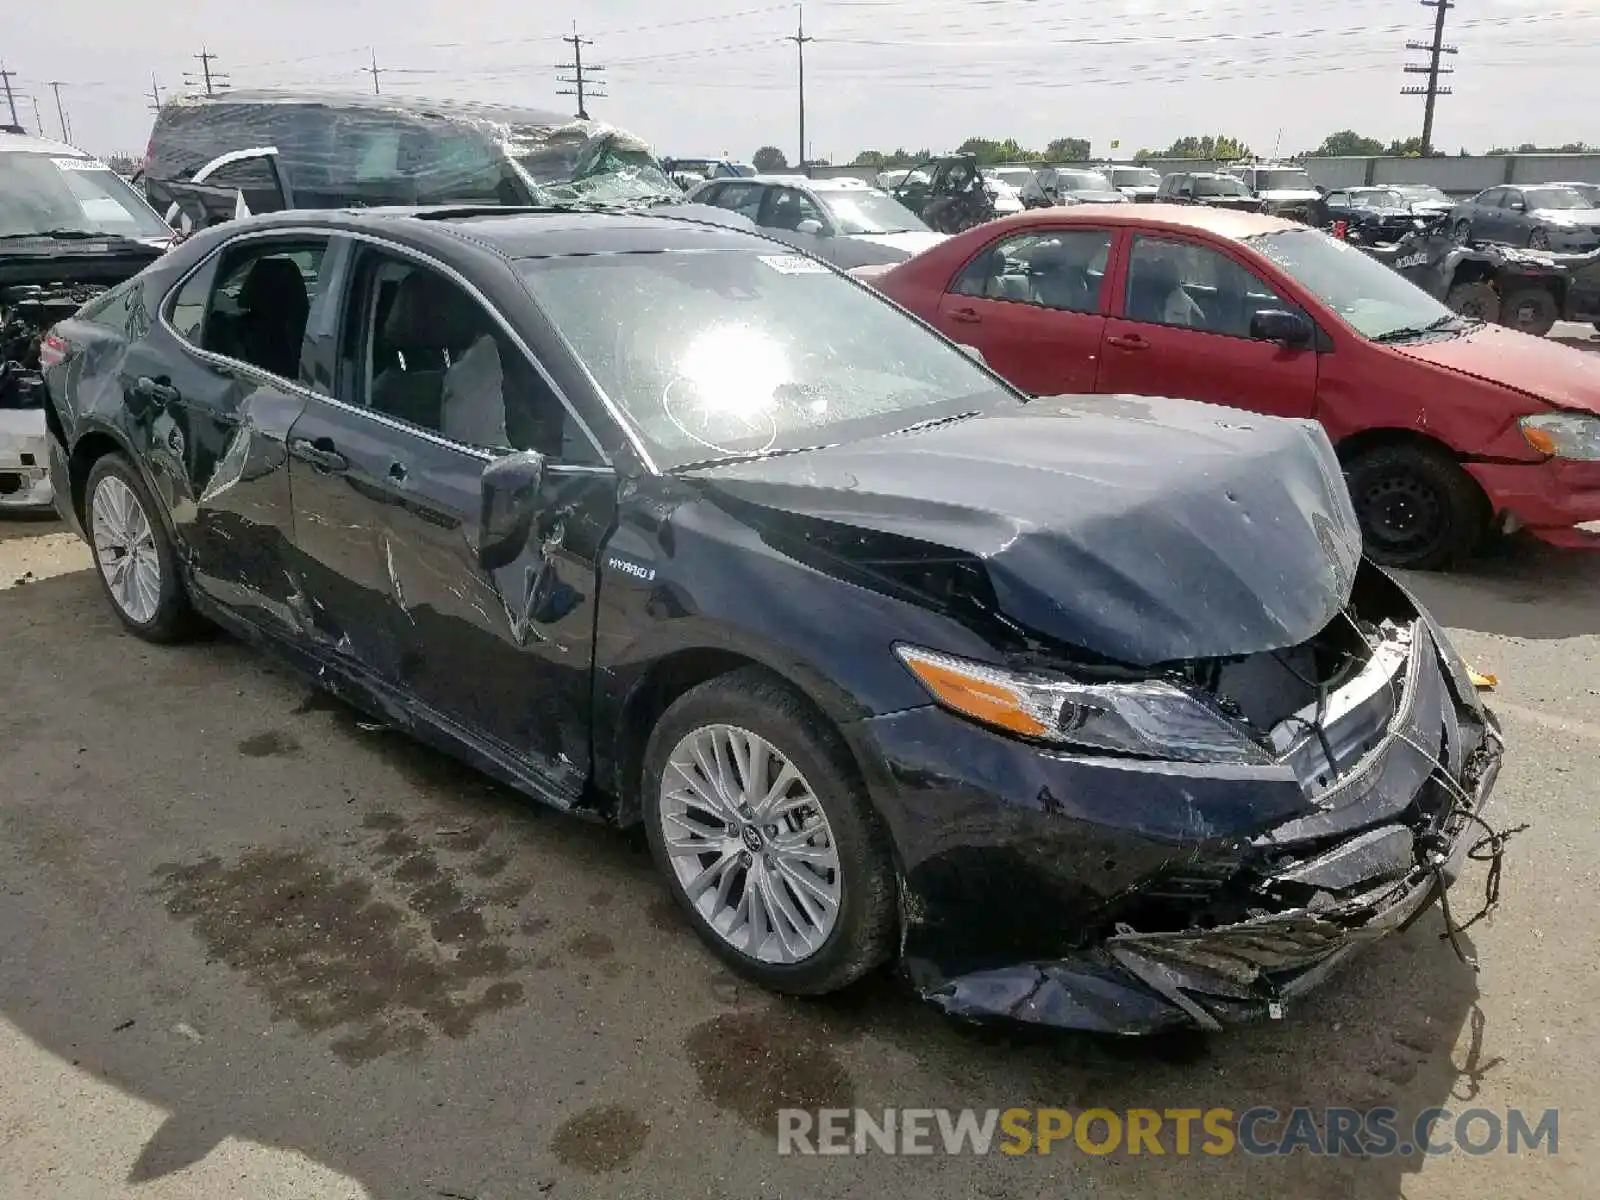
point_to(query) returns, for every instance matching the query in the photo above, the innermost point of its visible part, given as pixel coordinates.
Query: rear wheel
(1531, 310)
(133, 554)
(1476, 300)
(764, 838)
(1416, 506)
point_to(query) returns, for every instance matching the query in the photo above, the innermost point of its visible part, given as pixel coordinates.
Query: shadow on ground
(232, 898)
(1518, 587)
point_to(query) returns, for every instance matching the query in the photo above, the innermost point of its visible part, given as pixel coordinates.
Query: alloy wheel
(750, 844)
(125, 550)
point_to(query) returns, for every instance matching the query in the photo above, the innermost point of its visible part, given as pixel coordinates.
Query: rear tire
(1476, 300)
(1417, 507)
(1530, 310)
(776, 853)
(133, 554)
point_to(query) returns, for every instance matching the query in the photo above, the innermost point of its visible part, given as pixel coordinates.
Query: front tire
(1476, 300)
(1538, 240)
(1530, 310)
(133, 555)
(1417, 507)
(1461, 235)
(755, 818)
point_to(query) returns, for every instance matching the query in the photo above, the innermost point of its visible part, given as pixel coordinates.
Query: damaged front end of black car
(1213, 751)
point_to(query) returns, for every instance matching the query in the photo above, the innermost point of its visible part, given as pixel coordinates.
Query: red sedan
(1447, 427)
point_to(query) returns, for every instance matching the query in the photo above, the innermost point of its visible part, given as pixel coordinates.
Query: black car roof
(541, 233)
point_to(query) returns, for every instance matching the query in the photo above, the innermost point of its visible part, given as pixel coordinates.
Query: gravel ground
(249, 948)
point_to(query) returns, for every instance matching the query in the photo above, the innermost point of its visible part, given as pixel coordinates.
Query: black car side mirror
(1276, 325)
(511, 490)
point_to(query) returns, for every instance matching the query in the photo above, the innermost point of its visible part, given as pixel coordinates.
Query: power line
(577, 68)
(1432, 70)
(61, 113)
(800, 39)
(213, 81)
(11, 101)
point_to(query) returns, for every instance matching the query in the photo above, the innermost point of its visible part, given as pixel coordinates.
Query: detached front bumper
(24, 461)
(1550, 499)
(1122, 896)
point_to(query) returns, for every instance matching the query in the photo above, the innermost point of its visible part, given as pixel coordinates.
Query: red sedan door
(1034, 304)
(1184, 331)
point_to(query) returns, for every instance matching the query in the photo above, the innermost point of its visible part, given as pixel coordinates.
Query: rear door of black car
(432, 386)
(213, 385)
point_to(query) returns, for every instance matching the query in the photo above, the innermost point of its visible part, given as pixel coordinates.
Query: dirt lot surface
(249, 948)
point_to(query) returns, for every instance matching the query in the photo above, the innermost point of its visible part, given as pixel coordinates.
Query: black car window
(1338, 199)
(1490, 198)
(248, 174)
(743, 198)
(1063, 270)
(420, 349)
(1180, 283)
(252, 301)
(787, 207)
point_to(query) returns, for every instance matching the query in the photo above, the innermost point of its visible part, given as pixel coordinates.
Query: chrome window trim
(330, 233)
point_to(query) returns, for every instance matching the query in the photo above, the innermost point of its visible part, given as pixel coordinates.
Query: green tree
(989, 151)
(1216, 148)
(1347, 143)
(869, 158)
(769, 158)
(1067, 149)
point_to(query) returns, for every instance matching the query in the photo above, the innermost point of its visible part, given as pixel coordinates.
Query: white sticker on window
(792, 264)
(79, 164)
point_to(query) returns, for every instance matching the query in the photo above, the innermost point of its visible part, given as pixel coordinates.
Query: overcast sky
(704, 76)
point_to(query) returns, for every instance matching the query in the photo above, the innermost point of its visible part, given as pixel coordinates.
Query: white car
(70, 229)
(1276, 185)
(847, 222)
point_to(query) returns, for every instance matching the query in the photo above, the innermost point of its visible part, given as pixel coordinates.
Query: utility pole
(155, 94)
(579, 88)
(38, 121)
(61, 114)
(11, 101)
(800, 39)
(374, 72)
(212, 80)
(1435, 49)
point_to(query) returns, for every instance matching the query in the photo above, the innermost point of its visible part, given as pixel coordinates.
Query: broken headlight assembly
(1145, 718)
(1563, 435)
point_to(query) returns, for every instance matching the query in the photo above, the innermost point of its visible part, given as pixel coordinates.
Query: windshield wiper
(934, 422)
(57, 235)
(1406, 332)
(748, 456)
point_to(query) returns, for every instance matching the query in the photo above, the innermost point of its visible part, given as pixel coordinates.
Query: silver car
(847, 222)
(1546, 217)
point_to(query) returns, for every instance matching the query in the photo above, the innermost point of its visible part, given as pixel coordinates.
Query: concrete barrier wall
(1457, 176)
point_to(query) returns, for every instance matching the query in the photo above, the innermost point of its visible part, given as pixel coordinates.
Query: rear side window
(251, 303)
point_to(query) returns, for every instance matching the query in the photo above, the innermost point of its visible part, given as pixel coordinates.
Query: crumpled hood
(1140, 530)
(1560, 375)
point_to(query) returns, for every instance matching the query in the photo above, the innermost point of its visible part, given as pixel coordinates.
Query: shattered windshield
(56, 194)
(868, 211)
(1375, 301)
(1423, 192)
(609, 167)
(734, 352)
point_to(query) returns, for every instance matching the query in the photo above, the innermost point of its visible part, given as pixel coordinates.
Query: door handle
(319, 452)
(1131, 341)
(151, 389)
(967, 316)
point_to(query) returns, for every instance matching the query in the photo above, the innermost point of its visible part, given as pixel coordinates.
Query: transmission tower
(1435, 50)
(581, 88)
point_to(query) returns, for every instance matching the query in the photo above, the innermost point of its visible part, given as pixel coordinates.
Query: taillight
(1341, 229)
(52, 351)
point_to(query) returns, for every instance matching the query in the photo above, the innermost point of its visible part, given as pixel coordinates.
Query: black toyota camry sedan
(1085, 709)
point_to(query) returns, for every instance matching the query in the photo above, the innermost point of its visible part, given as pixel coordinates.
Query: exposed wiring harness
(1490, 848)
